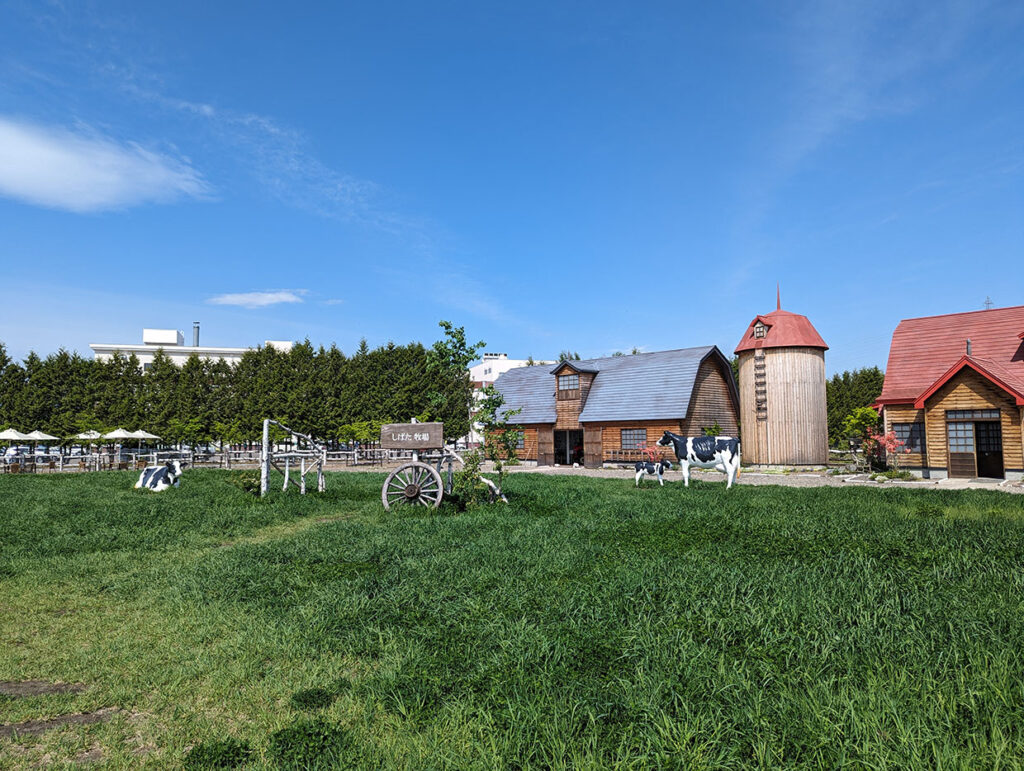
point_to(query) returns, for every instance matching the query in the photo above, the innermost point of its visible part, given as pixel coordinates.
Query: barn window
(760, 330)
(521, 443)
(568, 386)
(634, 438)
(911, 434)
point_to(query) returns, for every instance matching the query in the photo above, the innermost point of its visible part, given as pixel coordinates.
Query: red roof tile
(785, 330)
(928, 350)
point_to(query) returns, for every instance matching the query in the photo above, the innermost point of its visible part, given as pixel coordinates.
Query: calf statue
(159, 478)
(721, 453)
(652, 469)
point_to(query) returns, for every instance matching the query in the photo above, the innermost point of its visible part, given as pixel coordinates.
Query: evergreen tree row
(318, 391)
(845, 393)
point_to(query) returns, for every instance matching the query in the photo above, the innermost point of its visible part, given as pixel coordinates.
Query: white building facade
(172, 343)
(483, 374)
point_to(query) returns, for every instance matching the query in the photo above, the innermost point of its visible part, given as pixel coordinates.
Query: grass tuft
(311, 744)
(312, 699)
(229, 753)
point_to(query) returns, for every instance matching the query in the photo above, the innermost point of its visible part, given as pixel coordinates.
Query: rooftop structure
(172, 343)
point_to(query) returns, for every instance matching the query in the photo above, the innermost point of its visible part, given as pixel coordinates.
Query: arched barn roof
(784, 330)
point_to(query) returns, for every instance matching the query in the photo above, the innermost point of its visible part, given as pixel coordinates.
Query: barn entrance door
(568, 447)
(988, 438)
(962, 462)
(975, 449)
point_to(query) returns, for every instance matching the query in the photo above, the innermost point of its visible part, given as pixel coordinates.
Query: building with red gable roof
(783, 416)
(954, 393)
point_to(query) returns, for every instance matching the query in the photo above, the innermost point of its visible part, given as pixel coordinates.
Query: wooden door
(962, 459)
(592, 454)
(545, 446)
(988, 440)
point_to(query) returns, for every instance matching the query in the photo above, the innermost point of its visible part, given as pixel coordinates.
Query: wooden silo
(783, 418)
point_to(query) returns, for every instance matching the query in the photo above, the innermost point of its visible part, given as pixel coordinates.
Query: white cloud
(259, 299)
(85, 172)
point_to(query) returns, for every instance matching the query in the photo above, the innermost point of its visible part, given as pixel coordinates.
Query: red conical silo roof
(784, 330)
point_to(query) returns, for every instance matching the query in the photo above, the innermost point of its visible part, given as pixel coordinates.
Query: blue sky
(594, 176)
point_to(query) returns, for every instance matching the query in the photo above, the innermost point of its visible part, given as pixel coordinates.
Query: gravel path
(793, 479)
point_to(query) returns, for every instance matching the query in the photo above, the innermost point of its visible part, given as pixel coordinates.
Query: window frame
(631, 443)
(567, 391)
(914, 429)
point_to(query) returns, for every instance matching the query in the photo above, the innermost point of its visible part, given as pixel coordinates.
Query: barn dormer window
(568, 386)
(760, 330)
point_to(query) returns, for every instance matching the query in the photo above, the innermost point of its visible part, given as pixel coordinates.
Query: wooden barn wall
(529, 451)
(567, 411)
(711, 401)
(753, 441)
(796, 429)
(611, 433)
(905, 413)
(968, 390)
(797, 417)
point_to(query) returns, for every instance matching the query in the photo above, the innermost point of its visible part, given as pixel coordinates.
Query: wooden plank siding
(794, 429)
(968, 390)
(907, 414)
(568, 411)
(711, 401)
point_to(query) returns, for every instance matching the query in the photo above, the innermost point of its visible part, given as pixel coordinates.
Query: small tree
(501, 438)
(886, 447)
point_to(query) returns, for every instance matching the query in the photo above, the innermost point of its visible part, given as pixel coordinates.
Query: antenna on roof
(988, 303)
(778, 297)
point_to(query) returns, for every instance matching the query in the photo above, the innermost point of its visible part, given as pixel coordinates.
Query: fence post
(265, 460)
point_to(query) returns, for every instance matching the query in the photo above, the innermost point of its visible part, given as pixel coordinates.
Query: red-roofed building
(783, 418)
(954, 393)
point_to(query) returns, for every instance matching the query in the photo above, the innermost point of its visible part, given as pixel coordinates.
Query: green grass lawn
(587, 624)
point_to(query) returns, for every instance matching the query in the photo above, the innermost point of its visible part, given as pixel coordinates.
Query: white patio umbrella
(91, 436)
(119, 433)
(11, 435)
(39, 436)
(140, 434)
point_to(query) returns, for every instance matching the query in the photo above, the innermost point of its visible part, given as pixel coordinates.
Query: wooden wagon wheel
(414, 484)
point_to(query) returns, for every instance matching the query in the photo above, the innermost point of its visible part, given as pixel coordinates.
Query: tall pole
(265, 459)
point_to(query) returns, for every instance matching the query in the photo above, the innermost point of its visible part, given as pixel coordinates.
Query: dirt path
(792, 479)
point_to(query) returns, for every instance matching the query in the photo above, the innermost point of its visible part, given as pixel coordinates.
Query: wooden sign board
(412, 436)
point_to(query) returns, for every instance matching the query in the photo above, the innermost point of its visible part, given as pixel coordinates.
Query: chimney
(968, 346)
(195, 334)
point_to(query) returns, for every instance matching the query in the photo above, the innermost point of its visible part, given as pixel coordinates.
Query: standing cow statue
(159, 478)
(652, 469)
(721, 453)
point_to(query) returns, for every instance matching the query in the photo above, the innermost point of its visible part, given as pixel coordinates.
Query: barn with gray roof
(598, 411)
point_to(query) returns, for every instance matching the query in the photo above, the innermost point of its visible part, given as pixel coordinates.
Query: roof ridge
(963, 313)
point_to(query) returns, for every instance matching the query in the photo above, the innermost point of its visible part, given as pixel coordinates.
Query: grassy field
(586, 624)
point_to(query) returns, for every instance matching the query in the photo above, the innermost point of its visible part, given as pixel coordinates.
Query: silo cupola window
(760, 330)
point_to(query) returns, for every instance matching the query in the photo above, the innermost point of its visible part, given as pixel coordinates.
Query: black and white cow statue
(646, 467)
(721, 453)
(159, 478)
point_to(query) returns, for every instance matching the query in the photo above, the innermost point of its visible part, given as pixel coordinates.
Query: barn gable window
(911, 434)
(760, 330)
(568, 386)
(633, 438)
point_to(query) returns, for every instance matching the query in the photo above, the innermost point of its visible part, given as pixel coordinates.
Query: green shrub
(312, 698)
(218, 754)
(247, 481)
(311, 744)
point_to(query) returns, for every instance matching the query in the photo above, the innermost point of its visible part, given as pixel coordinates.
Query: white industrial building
(172, 342)
(483, 374)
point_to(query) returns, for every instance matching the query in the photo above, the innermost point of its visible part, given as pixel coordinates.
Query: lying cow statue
(159, 478)
(652, 470)
(721, 453)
